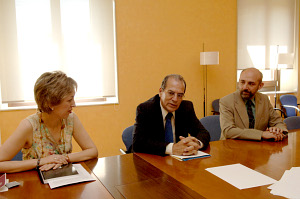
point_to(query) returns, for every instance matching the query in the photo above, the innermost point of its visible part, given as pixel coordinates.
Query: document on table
(63, 171)
(241, 176)
(82, 176)
(200, 154)
(288, 185)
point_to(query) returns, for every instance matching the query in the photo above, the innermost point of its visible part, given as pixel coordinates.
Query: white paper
(241, 176)
(82, 176)
(288, 185)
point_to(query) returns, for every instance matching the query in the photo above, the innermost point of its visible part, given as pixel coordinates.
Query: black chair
(127, 139)
(212, 125)
(292, 122)
(282, 113)
(18, 157)
(289, 104)
(215, 105)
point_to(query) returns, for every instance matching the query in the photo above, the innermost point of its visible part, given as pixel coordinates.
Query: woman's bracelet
(38, 163)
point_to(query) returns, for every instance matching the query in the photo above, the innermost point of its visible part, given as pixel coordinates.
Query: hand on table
(275, 130)
(47, 167)
(54, 159)
(186, 146)
(273, 133)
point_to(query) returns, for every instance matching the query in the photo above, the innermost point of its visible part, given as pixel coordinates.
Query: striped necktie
(249, 104)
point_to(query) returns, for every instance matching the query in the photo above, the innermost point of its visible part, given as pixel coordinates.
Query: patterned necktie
(168, 129)
(250, 114)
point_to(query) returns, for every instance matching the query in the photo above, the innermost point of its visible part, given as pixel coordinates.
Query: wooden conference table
(31, 187)
(150, 176)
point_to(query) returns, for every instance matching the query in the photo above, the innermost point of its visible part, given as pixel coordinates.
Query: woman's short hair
(51, 87)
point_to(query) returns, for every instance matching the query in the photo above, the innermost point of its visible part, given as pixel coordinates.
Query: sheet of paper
(241, 176)
(288, 185)
(82, 176)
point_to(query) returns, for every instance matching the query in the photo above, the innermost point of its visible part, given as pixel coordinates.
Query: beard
(246, 95)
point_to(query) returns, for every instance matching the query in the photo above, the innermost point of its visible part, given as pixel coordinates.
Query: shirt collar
(253, 101)
(165, 112)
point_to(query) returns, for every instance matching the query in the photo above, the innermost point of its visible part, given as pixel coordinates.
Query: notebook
(200, 154)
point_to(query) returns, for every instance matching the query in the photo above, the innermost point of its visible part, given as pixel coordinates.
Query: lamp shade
(286, 58)
(209, 58)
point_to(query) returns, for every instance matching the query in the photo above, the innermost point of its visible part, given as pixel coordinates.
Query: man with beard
(248, 114)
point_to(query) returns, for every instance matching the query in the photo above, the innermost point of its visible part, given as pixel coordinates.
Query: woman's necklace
(55, 145)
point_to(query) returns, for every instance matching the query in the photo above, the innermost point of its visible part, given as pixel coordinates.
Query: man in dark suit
(164, 122)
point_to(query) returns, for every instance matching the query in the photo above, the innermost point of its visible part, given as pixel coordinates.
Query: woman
(46, 136)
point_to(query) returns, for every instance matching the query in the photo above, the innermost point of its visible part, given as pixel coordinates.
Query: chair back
(289, 100)
(292, 122)
(18, 157)
(212, 125)
(215, 105)
(127, 138)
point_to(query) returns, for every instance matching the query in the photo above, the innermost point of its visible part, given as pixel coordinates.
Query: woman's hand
(47, 167)
(54, 159)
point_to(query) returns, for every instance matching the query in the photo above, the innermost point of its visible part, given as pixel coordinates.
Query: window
(266, 28)
(75, 36)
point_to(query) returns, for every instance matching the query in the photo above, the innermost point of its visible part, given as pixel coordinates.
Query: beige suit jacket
(235, 122)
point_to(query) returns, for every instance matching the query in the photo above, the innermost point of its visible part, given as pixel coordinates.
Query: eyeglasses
(172, 94)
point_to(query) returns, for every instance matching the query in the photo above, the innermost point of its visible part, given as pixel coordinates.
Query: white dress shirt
(164, 114)
(169, 147)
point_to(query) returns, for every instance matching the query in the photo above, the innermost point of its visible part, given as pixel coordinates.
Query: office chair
(282, 113)
(292, 122)
(215, 105)
(212, 125)
(18, 157)
(289, 104)
(127, 139)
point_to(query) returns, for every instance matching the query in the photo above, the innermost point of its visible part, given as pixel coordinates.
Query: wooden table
(133, 175)
(31, 187)
(269, 158)
(129, 176)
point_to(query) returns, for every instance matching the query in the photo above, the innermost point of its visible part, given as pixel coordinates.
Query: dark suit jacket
(149, 133)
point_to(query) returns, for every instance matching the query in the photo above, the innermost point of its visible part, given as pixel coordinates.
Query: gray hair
(174, 76)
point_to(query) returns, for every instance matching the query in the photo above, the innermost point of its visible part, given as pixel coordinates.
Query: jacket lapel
(158, 115)
(180, 123)
(258, 111)
(241, 109)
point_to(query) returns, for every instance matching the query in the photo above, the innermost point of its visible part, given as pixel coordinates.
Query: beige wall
(156, 38)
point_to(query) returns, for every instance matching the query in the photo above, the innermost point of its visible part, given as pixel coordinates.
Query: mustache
(246, 91)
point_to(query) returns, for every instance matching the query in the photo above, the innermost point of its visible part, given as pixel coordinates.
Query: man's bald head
(250, 82)
(255, 72)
